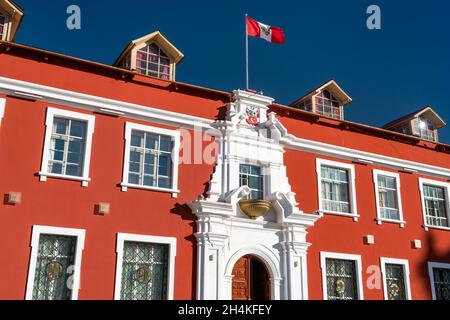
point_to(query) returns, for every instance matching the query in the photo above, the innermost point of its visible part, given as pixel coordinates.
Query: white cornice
(155, 115)
(330, 150)
(102, 105)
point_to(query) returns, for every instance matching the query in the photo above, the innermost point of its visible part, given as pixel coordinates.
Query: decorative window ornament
(340, 286)
(252, 115)
(54, 270)
(142, 275)
(394, 289)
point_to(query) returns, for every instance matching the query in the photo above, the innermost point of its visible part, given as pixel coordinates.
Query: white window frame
(341, 256)
(446, 186)
(65, 114)
(380, 219)
(174, 134)
(6, 26)
(405, 264)
(432, 265)
(351, 186)
(2, 109)
(171, 241)
(36, 233)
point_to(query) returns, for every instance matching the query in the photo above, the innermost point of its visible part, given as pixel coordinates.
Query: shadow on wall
(431, 254)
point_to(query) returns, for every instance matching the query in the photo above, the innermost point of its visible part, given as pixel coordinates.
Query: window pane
(163, 182)
(77, 128)
(55, 167)
(137, 138)
(149, 181)
(133, 178)
(251, 176)
(60, 126)
(73, 170)
(341, 279)
(163, 168)
(335, 192)
(166, 143)
(144, 271)
(151, 140)
(55, 260)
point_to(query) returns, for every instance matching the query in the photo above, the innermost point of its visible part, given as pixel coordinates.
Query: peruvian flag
(261, 30)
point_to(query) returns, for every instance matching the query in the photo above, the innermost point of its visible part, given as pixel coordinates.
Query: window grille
(424, 128)
(67, 147)
(335, 189)
(54, 266)
(251, 176)
(341, 279)
(435, 206)
(388, 201)
(328, 105)
(144, 271)
(442, 283)
(152, 61)
(150, 159)
(395, 282)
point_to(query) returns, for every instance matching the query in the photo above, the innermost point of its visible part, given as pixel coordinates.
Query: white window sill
(400, 222)
(125, 187)
(355, 216)
(426, 227)
(44, 175)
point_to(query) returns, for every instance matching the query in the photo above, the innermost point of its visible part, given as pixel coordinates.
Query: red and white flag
(263, 31)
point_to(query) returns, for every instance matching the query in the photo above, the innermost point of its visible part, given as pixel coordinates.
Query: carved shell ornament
(252, 115)
(394, 289)
(54, 270)
(340, 286)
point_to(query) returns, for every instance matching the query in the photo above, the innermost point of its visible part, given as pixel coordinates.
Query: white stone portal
(249, 135)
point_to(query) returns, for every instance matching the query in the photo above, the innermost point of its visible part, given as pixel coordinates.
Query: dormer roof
(427, 112)
(15, 15)
(332, 87)
(158, 38)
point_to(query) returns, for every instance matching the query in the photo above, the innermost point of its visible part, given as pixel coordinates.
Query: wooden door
(241, 279)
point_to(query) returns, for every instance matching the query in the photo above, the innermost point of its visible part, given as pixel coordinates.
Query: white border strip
(172, 242)
(341, 256)
(135, 111)
(2, 109)
(37, 231)
(94, 103)
(405, 264)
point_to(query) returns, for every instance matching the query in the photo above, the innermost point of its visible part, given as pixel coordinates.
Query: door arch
(251, 280)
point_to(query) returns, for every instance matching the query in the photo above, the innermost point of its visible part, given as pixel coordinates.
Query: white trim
(377, 173)
(172, 242)
(446, 187)
(432, 265)
(341, 256)
(2, 109)
(351, 186)
(37, 231)
(95, 103)
(90, 120)
(405, 264)
(316, 147)
(174, 134)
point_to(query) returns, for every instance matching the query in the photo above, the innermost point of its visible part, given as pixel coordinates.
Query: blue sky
(388, 72)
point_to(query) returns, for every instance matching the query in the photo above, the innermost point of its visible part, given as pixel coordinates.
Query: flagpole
(246, 54)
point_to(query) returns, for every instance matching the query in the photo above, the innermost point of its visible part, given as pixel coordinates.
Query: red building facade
(123, 185)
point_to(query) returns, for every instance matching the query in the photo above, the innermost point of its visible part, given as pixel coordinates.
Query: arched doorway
(250, 279)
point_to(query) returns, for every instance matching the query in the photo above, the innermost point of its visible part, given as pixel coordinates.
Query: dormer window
(327, 105)
(10, 18)
(424, 128)
(151, 55)
(2, 26)
(152, 61)
(423, 123)
(328, 100)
